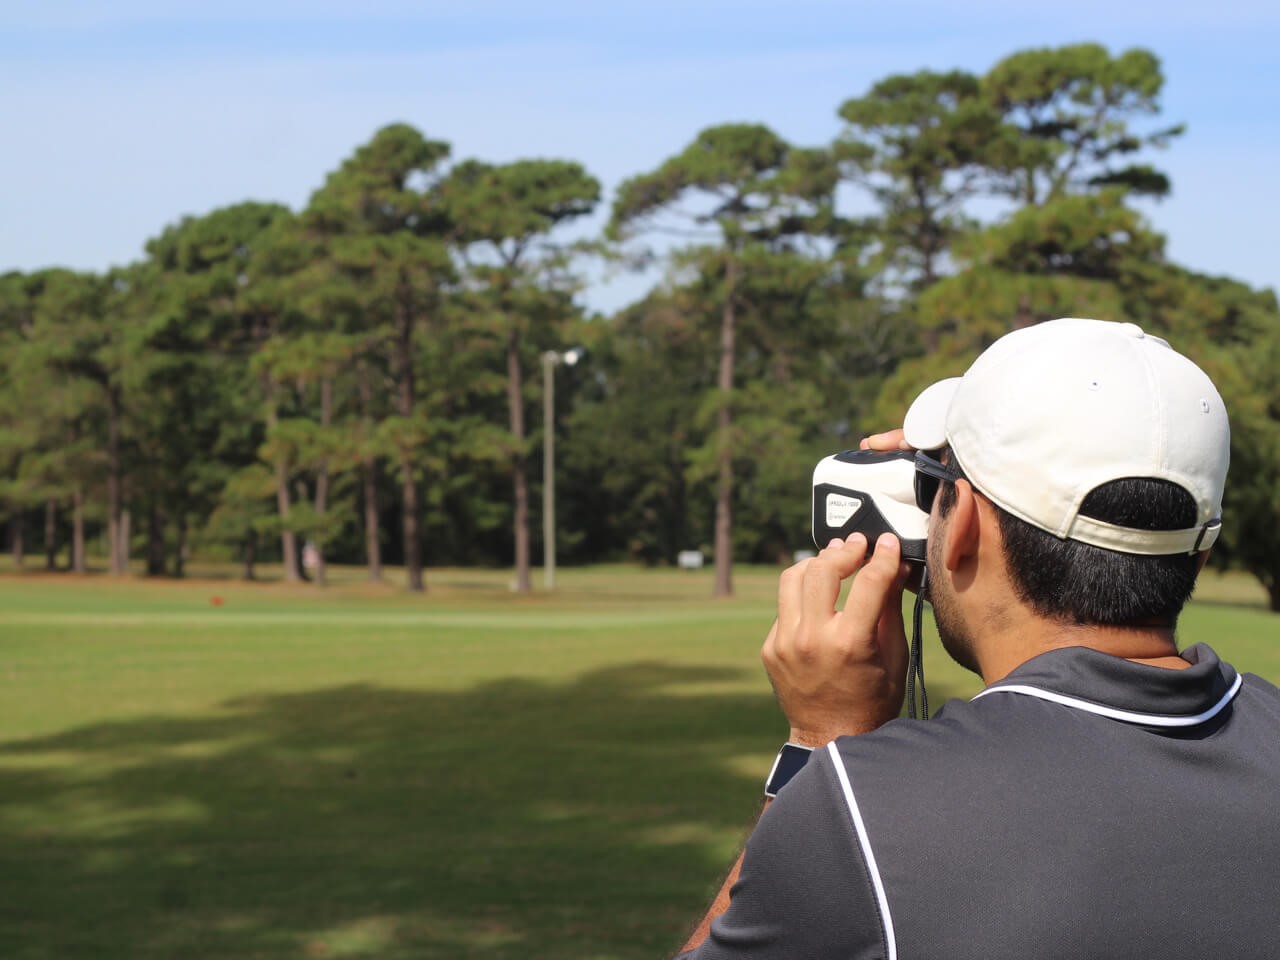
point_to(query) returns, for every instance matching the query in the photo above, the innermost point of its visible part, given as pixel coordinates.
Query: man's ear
(962, 530)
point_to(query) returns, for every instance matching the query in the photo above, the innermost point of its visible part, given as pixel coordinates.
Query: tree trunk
(412, 549)
(114, 549)
(408, 486)
(306, 551)
(1273, 592)
(677, 514)
(155, 541)
(250, 555)
(262, 329)
(78, 564)
(322, 477)
(51, 534)
(288, 541)
(372, 542)
(180, 555)
(724, 444)
(928, 241)
(369, 478)
(520, 481)
(126, 531)
(16, 542)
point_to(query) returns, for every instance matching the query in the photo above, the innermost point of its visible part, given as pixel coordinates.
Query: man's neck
(1150, 645)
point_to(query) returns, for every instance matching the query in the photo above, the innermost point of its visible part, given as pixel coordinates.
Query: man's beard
(952, 629)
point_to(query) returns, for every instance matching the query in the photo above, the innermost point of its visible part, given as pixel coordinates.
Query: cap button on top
(1132, 330)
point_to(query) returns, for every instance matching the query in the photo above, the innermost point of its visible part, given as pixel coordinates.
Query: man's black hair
(1075, 582)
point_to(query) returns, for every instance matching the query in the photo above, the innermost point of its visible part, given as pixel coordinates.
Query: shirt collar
(1098, 683)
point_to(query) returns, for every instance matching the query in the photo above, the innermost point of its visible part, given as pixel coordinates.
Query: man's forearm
(721, 902)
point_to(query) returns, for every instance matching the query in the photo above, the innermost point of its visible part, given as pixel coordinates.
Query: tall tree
(54, 406)
(205, 421)
(1062, 151)
(387, 226)
(502, 217)
(745, 185)
(77, 342)
(918, 143)
(1070, 117)
(31, 415)
(17, 307)
(312, 440)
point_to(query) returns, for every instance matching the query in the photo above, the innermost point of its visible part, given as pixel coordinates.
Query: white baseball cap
(1050, 412)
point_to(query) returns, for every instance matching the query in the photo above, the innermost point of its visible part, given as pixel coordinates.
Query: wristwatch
(791, 758)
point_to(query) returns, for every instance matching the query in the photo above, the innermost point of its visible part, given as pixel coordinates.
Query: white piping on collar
(864, 841)
(1145, 719)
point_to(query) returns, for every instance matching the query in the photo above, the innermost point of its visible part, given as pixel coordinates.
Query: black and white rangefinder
(871, 492)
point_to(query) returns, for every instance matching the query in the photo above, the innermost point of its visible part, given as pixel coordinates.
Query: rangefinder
(869, 492)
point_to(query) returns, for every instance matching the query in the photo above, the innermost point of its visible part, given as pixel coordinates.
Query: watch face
(790, 761)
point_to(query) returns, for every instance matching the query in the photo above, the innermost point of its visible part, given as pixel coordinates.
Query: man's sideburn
(953, 631)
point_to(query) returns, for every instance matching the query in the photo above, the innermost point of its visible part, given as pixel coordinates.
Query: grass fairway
(216, 769)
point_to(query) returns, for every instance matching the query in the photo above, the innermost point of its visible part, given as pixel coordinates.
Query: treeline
(364, 376)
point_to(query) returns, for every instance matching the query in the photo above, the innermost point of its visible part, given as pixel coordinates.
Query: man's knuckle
(875, 575)
(796, 571)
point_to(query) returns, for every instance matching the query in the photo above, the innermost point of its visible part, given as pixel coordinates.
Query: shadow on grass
(512, 820)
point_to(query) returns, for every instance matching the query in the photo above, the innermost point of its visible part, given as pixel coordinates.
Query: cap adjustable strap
(1109, 536)
(1215, 525)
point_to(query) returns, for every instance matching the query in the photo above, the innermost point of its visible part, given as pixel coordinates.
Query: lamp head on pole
(569, 357)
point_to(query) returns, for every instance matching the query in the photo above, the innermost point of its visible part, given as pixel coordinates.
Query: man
(1105, 796)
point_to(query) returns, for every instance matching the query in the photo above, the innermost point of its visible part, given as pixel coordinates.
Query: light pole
(549, 361)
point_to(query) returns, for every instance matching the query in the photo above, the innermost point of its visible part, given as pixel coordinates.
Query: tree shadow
(514, 819)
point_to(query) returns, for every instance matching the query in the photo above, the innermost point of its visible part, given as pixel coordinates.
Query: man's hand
(889, 440)
(839, 672)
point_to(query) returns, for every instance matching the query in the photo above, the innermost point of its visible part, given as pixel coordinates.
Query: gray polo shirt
(1083, 807)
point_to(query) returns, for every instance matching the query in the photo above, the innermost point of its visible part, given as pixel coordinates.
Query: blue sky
(121, 117)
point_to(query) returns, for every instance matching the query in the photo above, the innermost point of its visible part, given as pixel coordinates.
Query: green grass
(362, 773)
